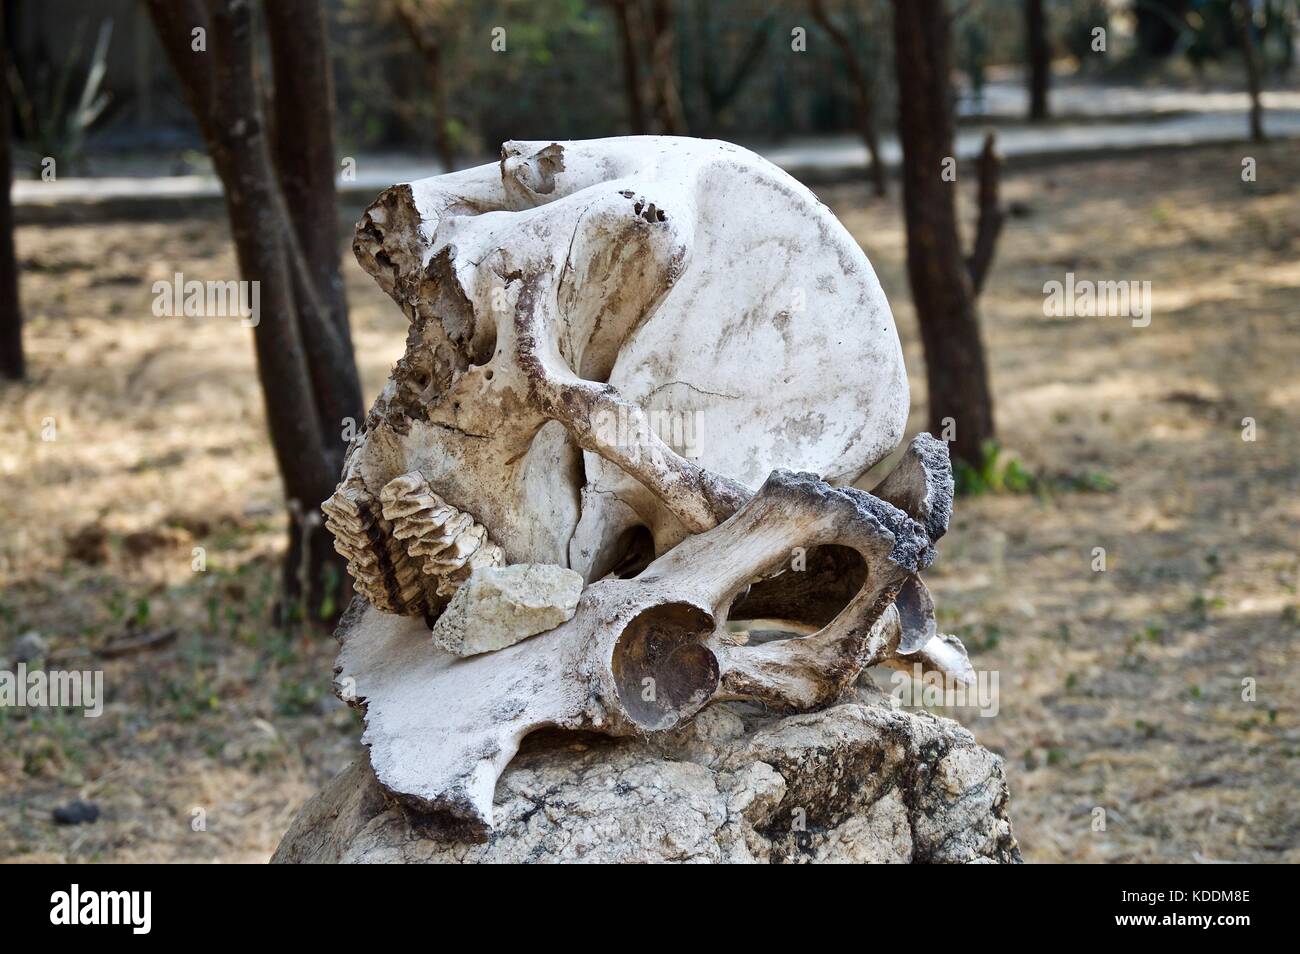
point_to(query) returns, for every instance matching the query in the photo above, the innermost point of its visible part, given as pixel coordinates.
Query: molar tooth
(440, 541)
(409, 549)
(380, 567)
(431, 544)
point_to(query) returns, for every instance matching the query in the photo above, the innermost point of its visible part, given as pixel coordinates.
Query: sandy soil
(1120, 690)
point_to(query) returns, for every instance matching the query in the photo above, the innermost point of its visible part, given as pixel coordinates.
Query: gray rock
(30, 646)
(859, 782)
(500, 605)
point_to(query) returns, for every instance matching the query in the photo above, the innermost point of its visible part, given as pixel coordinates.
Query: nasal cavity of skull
(662, 670)
(799, 597)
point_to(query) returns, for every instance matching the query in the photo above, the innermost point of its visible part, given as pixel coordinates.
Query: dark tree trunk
(425, 40)
(663, 70)
(864, 94)
(304, 354)
(1038, 53)
(1159, 23)
(719, 86)
(956, 373)
(628, 16)
(12, 365)
(1249, 55)
(991, 217)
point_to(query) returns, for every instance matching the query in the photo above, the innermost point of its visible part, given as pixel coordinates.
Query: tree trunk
(956, 374)
(991, 216)
(426, 42)
(1249, 55)
(663, 70)
(1158, 25)
(1038, 53)
(304, 353)
(12, 365)
(863, 93)
(628, 15)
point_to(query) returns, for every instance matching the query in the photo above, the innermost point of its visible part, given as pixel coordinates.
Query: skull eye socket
(662, 670)
(813, 590)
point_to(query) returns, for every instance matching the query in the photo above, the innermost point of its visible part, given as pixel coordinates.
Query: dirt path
(1119, 690)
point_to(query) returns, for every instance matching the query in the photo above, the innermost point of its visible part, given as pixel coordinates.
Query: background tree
(1250, 57)
(863, 90)
(1039, 56)
(718, 86)
(278, 178)
(627, 16)
(11, 318)
(1160, 26)
(943, 282)
(663, 70)
(425, 23)
(651, 85)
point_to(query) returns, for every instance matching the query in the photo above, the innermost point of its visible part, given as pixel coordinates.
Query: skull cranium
(566, 304)
(573, 302)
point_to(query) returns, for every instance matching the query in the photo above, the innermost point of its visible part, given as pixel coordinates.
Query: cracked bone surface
(613, 344)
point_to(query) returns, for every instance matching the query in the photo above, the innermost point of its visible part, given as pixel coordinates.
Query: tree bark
(862, 90)
(304, 354)
(1038, 53)
(663, 70)
(719, 86)
(1249, 55)
(991, 216)
(426, 42)
(942, 291)
(628, 16)
(12, 364)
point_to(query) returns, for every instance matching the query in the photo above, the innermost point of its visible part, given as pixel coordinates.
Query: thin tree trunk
(991, 216)
(1038, 52)
(663, 70)
(306, 166)
(720, 90)
(1249, 55)
(12, 364)
(627, 14)
(956, 373)
(862, 90)
(304, 355)
(430, 50)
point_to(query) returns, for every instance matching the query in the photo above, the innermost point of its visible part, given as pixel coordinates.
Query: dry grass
(1119, 690)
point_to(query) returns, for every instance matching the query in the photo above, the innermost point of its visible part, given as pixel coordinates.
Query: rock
(76, 813)
(859, 782)
(29, 647)
(500, 605)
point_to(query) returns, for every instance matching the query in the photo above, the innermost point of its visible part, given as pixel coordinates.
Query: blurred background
(1124, 551)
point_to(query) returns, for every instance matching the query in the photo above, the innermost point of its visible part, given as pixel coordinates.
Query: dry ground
(1120, 690)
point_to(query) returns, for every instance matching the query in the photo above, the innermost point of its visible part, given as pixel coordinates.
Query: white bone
(575, 300)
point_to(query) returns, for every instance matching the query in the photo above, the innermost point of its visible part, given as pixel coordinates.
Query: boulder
(862, 781)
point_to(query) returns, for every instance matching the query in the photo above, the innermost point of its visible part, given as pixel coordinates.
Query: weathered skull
(612, 344)
(642, 655)
(572, 307)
